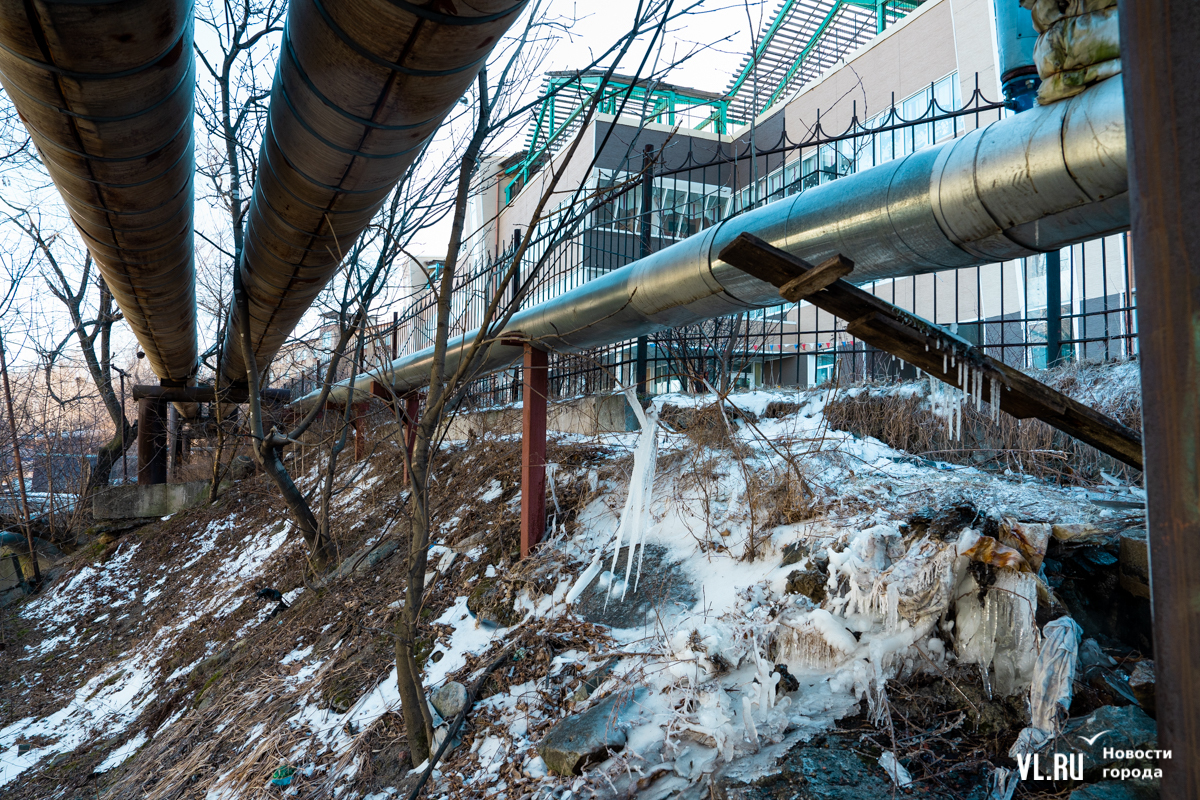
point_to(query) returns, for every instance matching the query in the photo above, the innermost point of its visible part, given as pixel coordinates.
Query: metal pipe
(1015, 38)
(1031, 183)
(1159, 70)
(106, 92)
(1053, 308)
(360, 87)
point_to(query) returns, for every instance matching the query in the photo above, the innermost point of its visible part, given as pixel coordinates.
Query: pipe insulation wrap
(360, 87)
(1030, 183)
(106, 91)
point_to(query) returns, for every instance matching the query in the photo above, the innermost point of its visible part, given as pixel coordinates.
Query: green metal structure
(570, 93)
(802, 32)
(803, 39)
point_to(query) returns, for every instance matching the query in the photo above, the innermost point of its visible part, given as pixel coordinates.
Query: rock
(1117, 790)
(591, 682)
(794, 553)
(449, 699)
(587, 738)
(1109, 728)
(1134, 556)
(820, 770)
(491, 602)
(787, 681)
(1141, 683)
(663, 584)
(1090, 655)
(809, 583)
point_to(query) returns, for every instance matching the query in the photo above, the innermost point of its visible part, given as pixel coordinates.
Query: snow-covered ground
(897, 601)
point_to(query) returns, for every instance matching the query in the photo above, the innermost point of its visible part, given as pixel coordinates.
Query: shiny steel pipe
(1034, 182)
(105, 90)
(360, 87)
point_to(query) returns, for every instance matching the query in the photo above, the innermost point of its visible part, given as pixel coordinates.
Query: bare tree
(92, 313)
(500, 100)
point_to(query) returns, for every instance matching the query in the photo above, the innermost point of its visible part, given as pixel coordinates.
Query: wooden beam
(816, 279)
(949, 358)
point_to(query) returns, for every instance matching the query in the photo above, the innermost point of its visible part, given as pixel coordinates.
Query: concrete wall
(133, 501)
(582, 415)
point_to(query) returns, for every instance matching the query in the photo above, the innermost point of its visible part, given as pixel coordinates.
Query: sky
(712, 39)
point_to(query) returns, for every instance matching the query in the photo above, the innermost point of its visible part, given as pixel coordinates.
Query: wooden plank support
(1162, 114)
(935, 350)
(533, 447)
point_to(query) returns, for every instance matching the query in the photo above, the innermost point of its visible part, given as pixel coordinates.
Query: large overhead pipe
(360, 87)
(1032, 183)
(105, 90)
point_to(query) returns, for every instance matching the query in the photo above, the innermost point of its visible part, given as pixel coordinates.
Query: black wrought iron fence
(651, 197)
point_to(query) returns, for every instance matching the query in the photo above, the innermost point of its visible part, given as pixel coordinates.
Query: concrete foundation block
(133, 501)
(586, 416)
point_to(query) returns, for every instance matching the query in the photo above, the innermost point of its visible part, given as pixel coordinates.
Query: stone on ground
(449, 699)
(587, 738)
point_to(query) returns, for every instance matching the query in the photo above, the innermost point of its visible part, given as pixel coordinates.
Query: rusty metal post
(1162, 115)
(152, 441)
(533, 447)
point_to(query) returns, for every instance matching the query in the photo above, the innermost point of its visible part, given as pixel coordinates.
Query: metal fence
(662, 191)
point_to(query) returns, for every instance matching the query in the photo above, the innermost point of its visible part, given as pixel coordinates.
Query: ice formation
(995, 628)
(635, 517)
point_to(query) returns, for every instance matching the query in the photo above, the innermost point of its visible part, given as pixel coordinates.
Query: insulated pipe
(361, 86)
(105, 90)
(1031, 183)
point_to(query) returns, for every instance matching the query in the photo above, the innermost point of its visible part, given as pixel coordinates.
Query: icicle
(641, 490)
(635, 515)
(748, 719)
(944, 370)
(958, 431)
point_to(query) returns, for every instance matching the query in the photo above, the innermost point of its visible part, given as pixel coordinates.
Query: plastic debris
(1050, 692)
(894, 769)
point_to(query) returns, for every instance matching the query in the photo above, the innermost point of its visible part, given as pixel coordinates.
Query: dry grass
(905, 421)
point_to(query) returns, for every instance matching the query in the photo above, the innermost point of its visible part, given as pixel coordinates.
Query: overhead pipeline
(106, 91)
(360, 87)
(1030, 183)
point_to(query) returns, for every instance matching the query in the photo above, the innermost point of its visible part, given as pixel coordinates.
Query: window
(942, 97)
(678, 208)
(826, 367)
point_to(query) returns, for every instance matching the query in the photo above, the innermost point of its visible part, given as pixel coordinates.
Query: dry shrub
(785, 500)
(905, 421)
(704, 425)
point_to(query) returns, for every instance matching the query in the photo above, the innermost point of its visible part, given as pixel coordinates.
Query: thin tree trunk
(106, 457)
